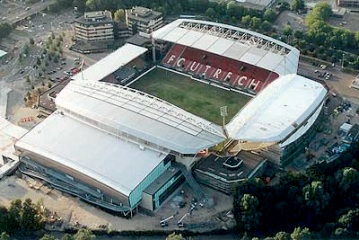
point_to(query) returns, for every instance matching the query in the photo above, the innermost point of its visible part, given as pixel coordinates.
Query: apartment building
(140, 19)
(94, 27)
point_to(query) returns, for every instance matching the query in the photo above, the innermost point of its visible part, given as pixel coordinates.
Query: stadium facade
(120, 148)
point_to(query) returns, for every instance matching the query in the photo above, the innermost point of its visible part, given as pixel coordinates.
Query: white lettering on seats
(254, 84)
(218, 71)
(179, 62)
(171, 59)
(192, 68)
(207, 67)
(228, 77)
(241, 80)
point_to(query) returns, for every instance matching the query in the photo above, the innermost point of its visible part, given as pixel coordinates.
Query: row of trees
(324, 200)
(21, 217)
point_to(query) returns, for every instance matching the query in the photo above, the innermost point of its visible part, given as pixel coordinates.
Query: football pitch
(195, 97)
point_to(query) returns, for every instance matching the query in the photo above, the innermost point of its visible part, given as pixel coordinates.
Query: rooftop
(98, 17)
(117, 163)
(278, 111)
(9, 133)
(111, 63)
(220, 166)
(232, 42)
(143, 14)
(119, 109)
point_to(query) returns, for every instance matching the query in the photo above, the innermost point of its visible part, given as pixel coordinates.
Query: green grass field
(195, 97)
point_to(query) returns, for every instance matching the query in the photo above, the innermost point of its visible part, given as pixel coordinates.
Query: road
(15, 16)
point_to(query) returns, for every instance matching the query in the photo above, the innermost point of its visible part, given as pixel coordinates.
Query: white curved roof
(232, 42)
(278, 111)
(117, 108)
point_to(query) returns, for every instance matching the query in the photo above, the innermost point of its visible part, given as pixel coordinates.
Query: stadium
(129, 130)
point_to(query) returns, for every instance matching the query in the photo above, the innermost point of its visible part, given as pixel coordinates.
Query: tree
(32, 42)
(5, 29)
(350, 220)
(287, 30)
(48, 237)
(300, 234)
(4, 236)
(27, 79)
(49, 85)
(249, 215)
(281, 236)
(298, 5)
(246, 20)
(315, 196)
(14, 216)
(266, 26)
(174, 236)
(119, 15)
(321, 12)
(84, 234)
(53, 6)
(270, 15)
(347, 177)
(255, 23)
(79, 5)
(211, 13)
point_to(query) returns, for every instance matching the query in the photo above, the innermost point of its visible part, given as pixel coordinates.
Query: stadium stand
(217, 68)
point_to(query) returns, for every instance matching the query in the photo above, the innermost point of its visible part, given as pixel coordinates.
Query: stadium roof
(9, 133)
(232, 42)
(278, 111)
(125, 111)
(117, 163)
(111, 63)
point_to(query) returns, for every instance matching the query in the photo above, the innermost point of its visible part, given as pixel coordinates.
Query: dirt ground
(75, 212)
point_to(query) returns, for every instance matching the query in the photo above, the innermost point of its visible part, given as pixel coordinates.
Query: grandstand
(122, 148)
(237, 57)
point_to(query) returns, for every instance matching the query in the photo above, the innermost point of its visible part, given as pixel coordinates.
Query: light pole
(343, 60)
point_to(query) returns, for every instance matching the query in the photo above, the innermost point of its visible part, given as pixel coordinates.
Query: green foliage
(5, 30)
(287, 30)
(53, 6)
(321, 12)
(298, 5)
(270, 15)
(348, 177)
(84, 234)
(48, 237)
(315, 196)
(249, 214)
(174, 236)
(119, 15)
(300, 234)
(4, 236)
(211, 13)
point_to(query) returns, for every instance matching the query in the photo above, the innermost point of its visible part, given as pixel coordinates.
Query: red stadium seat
(214, 67)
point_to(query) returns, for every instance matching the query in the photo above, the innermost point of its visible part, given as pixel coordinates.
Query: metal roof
(119, 109)
(278, 111)
(111, 63)
(9, 133)
(232, 42)
(114, 162)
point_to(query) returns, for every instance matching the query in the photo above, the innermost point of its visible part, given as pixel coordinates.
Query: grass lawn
(195, 97)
